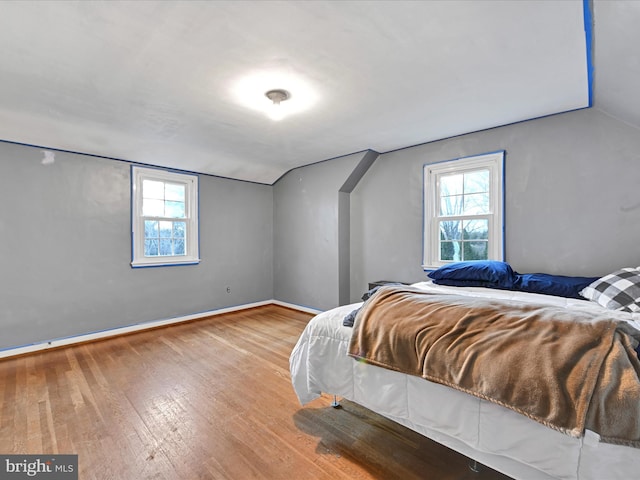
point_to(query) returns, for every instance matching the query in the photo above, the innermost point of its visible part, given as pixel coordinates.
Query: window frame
(494, 162)
(192, 237)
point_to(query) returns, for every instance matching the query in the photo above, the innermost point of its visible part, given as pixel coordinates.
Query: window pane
(476, 182)
(173, 191)
(165, 246)
(152, 208)
(450, 251)
(476, 250)
(451, 230)
(451, 184)
(153, 189)
(178, 246)
(150, 247)
(476, 229)
(150, 228)
(450, 195)
(178, 229)
(476, 204)
(165, 229)
(174, 209)
(451, 205)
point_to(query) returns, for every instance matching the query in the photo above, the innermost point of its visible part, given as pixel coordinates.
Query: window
(463, 214)
(164, 219)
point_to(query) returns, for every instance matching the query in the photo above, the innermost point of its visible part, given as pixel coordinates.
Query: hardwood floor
(210, 399)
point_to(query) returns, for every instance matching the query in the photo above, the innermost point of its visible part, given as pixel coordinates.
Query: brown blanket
(569, 370)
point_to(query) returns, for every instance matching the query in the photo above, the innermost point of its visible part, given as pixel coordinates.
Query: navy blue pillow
(557, 285)
(480, 273)
(468, 283)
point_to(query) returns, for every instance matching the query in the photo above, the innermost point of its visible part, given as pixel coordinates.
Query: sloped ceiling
(181, 84)
(617, 59)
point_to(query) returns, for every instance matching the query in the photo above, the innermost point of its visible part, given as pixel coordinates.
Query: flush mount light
(277, 96)
(260, 90)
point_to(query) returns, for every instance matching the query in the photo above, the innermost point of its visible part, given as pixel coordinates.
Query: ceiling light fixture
(277, 96)
(253, 90)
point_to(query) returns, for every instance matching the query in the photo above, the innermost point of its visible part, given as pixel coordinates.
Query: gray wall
(66, 248)
(572, 199)
(306, 232)
(572, 207)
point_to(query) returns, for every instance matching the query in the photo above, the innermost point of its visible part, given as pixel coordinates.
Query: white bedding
(493, 435)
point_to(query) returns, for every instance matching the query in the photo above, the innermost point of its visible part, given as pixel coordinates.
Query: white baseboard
(296, 307)
(61, 342)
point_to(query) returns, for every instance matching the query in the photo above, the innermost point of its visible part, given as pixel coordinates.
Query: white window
(463, 212)
(164, 219)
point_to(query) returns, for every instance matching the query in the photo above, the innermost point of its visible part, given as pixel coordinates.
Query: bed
(477, 428)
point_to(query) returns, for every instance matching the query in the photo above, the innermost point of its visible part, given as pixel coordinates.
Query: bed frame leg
(335, 403)
(474, 466)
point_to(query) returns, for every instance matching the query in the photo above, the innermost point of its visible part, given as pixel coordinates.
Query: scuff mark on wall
(49, 157)
(630, 208)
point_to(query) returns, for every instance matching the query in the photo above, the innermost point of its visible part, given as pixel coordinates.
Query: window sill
(430, 268)
(165, 262)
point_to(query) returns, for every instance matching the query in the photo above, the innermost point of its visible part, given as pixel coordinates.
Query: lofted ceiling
(181, 84)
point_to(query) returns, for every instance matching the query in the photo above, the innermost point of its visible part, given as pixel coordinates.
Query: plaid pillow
(617, 291)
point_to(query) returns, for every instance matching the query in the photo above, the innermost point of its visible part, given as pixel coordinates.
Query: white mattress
(491, 434)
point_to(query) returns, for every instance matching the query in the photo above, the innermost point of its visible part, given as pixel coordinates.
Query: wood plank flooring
(210, 399)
